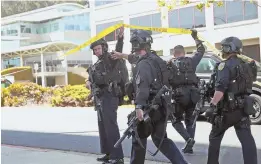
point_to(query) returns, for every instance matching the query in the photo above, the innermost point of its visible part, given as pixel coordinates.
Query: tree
(16, 7)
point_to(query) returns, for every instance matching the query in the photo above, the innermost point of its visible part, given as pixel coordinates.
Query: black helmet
(101, 42)
(141, 39)
(231, 45)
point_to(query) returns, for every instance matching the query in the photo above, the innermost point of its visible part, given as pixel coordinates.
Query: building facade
(41, 36)
(62, 22)
(236, 18)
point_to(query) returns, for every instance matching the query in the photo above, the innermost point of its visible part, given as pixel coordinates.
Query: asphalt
(76, 129)
(26, 155)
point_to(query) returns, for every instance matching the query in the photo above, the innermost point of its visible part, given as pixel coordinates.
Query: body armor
(241, 80)
(182, 72)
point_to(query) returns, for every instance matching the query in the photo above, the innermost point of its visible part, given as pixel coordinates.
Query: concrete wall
(59, 80)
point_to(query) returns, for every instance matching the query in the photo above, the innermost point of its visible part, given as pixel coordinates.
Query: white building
(42, 35)
(240, 19)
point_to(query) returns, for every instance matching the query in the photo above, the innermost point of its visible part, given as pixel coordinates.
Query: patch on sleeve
(221, 66)
(138, 79)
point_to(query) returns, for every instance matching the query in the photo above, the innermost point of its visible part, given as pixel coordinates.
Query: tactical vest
(182, 72)
(104, 73)
(243, 80)
(162, 73)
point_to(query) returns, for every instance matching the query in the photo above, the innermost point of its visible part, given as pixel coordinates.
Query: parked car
(205, 68)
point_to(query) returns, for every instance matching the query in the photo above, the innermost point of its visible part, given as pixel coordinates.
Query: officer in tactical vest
(184, 84)
(104, 80)
(146, 80)
(231, 104)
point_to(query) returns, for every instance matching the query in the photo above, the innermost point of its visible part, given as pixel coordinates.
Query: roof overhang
(43, 17)
(37, 49)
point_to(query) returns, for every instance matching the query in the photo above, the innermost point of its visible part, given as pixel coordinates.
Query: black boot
(114, 161)
(105, 158)
(189, 146)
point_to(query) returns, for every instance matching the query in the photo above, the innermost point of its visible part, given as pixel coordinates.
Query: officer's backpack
(182, 72)
(161, 67)
(246, 75)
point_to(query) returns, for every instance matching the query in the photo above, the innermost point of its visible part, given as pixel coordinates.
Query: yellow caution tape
(115, 27)
(157, 29)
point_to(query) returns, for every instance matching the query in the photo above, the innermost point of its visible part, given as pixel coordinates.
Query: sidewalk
(76, 129)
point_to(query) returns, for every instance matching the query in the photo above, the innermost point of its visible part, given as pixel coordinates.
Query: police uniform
(184, 85)
(234, 80)
(147, 75)
(107, 116)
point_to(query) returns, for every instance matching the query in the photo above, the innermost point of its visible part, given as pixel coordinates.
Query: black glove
(194, 34)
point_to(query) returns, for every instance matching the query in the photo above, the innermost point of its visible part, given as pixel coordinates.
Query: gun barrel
(118, 143)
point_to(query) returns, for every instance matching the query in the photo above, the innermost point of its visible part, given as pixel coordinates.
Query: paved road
(25, 155)
(76, 129)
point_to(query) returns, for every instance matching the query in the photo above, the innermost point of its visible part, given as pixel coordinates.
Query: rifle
(133, 122)
(200, 104)
(95, 92)
(162, 98)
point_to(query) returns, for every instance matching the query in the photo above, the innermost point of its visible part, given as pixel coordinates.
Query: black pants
(241, 123)
(168, 147)
(186, 105)
(187, 132)
(108, 126)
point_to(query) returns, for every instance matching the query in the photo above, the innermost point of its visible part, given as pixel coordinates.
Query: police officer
(103, 76)
(231, 104)
(184, 85)
(146, 77)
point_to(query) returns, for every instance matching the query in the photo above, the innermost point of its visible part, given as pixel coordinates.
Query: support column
(42, 69)
(259, 33)
(66, 70)
(165, 36)
(93, 25)
(21, 61)
(209, 16)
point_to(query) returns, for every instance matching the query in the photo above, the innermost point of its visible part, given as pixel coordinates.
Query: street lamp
(36, 66)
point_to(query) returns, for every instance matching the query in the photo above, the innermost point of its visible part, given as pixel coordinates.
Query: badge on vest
(221, 66)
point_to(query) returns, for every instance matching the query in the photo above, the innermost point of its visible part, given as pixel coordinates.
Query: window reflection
(186, 17)
(153, 20)
(189, 17)
(235, 11)
(110, 37)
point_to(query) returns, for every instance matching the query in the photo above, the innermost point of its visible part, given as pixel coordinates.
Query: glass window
(186, 17)
(234, 11)
(174, 19)
(153, 20)
(156, 21)
(28, 30)
(219, 14)
(44, 30)
(55, 27)
(77, 27)
(251, 11)
(22, 27)
(199, 18)
(111, 36)
(104, 2)
(206, 65)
